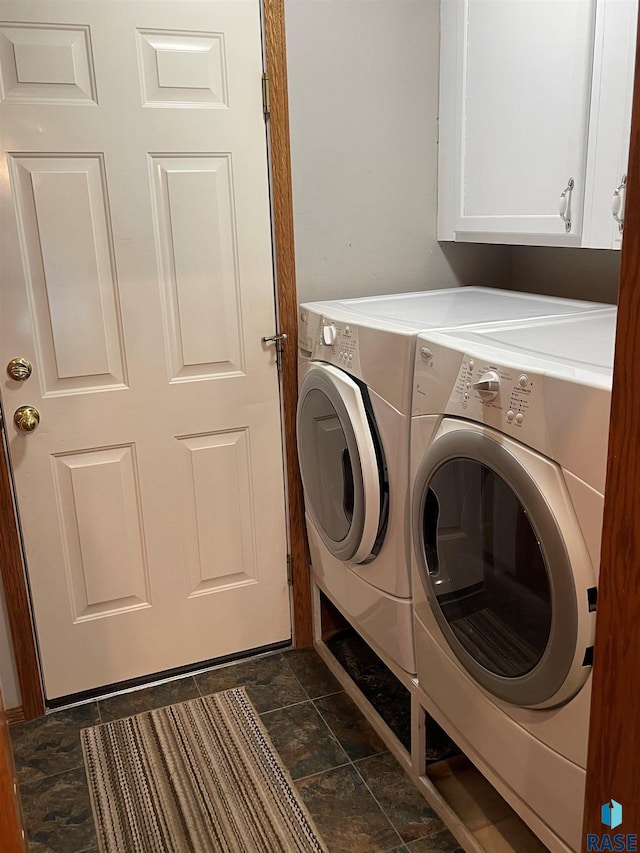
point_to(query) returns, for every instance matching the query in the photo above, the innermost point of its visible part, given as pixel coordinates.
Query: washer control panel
(493, 393)
(337, 343)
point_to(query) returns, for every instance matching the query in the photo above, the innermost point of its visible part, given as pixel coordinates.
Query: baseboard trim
(15, 715)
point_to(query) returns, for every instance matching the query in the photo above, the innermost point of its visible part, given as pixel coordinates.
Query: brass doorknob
(19, 369)
(26, 418)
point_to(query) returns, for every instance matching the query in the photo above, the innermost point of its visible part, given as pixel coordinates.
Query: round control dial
(329, 334)
(488, 386)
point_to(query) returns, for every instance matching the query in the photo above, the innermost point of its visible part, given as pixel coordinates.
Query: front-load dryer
(356, 370)
(508, 460)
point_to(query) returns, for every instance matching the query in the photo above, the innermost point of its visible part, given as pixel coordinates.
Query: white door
(137, 279)
(514, 112)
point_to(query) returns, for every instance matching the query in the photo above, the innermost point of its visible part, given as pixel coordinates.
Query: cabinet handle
(617, 203)
(565, 204)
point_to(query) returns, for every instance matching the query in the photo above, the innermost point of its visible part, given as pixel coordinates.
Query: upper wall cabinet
(535, 108)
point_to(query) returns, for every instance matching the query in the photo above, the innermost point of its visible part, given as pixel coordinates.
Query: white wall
(574, 273)
(363, 104)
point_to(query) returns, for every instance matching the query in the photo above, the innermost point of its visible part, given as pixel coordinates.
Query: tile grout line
(375, 799)
(23, 784)
(319, 773)
(349, 761)
(353, 764)
(382, 809)
(248, 685)
(154, 687)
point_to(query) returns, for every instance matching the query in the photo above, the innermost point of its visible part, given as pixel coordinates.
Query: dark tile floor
(359, 797)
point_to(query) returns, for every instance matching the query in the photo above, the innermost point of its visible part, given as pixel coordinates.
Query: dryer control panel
(486, 389)
(337, 343)
(508, 397)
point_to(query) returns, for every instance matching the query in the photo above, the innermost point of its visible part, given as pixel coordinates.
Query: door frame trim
(11, 559)
(17, 597)
(614, 733)
(12, 834)
(287, 303)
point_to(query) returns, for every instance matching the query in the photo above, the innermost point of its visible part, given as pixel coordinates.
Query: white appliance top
(373, 338)
(581, 346)
(451, 307)
(546, 383)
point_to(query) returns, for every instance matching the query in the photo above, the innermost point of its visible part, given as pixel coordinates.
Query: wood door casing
(287, 311)
(18, 607)
(613, 770)
(11, 835)
(17, 599)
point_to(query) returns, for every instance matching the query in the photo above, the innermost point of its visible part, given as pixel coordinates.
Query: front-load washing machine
(356, 370)
(508, 460)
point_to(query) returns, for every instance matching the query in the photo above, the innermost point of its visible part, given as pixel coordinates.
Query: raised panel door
(137, 278)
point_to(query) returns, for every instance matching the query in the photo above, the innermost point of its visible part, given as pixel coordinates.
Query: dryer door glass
(486, 567)
(495, 566)
(342, 470)
(330, 483)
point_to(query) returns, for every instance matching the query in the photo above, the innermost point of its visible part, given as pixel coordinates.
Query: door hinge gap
(289, 569)
(266, 94)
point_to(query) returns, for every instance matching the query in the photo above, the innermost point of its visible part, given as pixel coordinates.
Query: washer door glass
(495, 567)
(486, 567)
(338, 464)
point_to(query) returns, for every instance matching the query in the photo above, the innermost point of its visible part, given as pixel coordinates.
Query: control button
(426, 353)
(303, 317)
(519, 418)
(468, 385)
(466, 396)
(341, 355)
(523, 380)
(329, 335)
(471, 364)
(350, 356)
(510, 415)
(347, 330)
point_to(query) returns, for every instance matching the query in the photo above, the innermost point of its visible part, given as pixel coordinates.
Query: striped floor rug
(199, 776)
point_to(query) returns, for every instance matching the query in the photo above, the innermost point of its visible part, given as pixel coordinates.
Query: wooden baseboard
(15, 715)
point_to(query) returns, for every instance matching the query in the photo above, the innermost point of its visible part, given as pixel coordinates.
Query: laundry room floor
(358, 795)
(490, 820)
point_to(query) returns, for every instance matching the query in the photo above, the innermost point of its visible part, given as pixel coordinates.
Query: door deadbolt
(19, 369)
(26, 418)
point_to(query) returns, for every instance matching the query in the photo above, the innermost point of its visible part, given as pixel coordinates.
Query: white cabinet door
(610, 123)
(515, 96)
